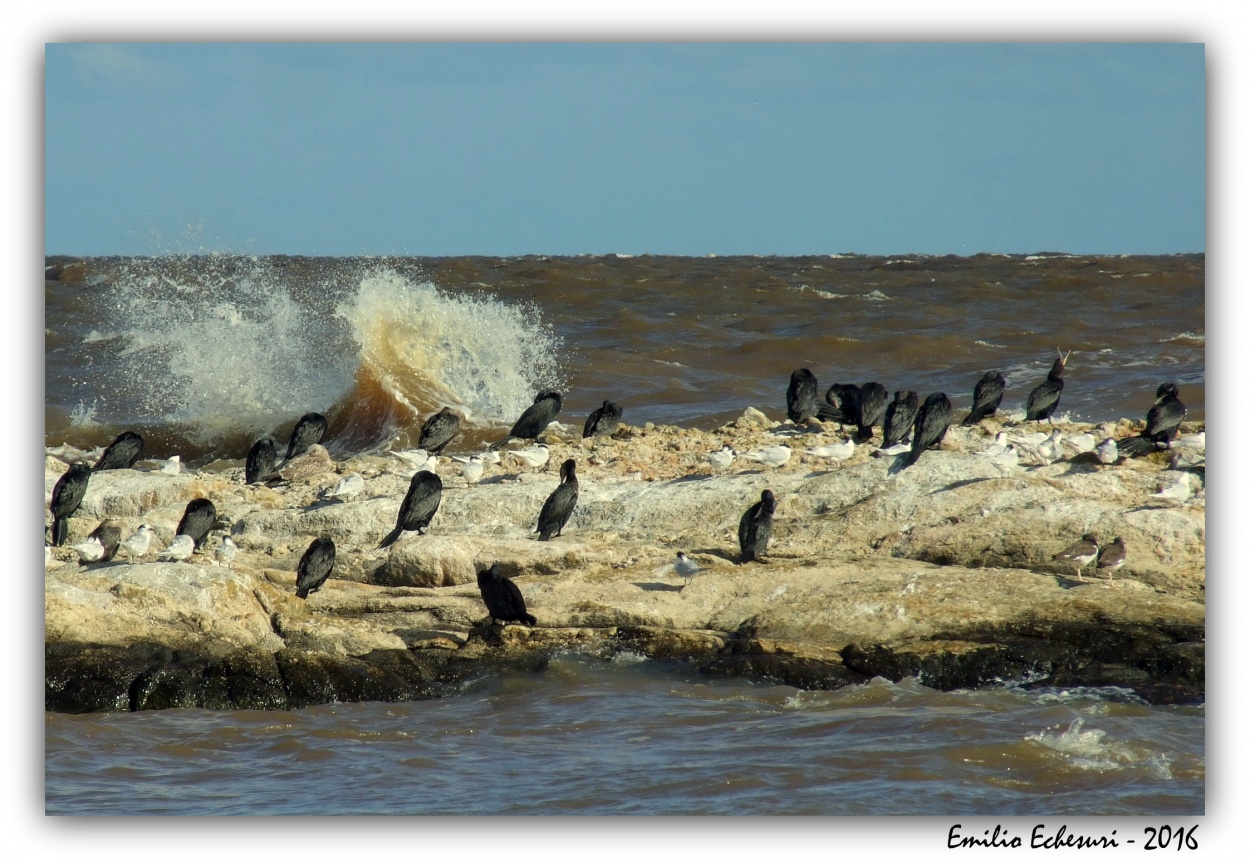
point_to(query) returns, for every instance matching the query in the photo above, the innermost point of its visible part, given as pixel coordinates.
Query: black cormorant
(425, 492)
(603, 421)
(123, 452)
(755, 527)
(310, 429)
(1163, 422)
(559, 505)
(197, 520)
(66, 498)
(262, 460)
(1045, 396)
(986, 397)
(315, 566)
(932, 420)
(438, 431)
(899, 417)
(535, 419)
(872, 404)
(802, 396)
(841, 404)
(503, 598)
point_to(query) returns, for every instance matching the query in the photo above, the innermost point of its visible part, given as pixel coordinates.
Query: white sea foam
(1091, 750)
(428, 347)
(1197, 338)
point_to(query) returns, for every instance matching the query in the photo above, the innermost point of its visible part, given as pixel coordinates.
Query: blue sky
(695, 148)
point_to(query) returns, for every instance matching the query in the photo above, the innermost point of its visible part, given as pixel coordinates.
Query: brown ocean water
(204, 354)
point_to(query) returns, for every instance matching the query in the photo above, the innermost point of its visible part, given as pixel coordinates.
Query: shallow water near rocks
(640, 737)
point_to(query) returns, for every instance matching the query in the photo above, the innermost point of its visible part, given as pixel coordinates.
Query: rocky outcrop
(943, 571)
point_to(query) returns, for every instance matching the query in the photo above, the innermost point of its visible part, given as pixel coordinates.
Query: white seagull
(137, 544)
(416, 460)
(226, 551)
(998, 447)
(90, 550)
(1006, 460)
(839, 452)
(1080, 443)
(769, 456)
(533, 456)
(350, 485)
(172, 466)
(722, 458)
(179, 549)
(1108, 452)
(472, 471)
(686, 567)
(1177, 492)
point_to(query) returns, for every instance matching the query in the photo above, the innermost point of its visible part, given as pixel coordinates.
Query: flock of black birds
(863, 406)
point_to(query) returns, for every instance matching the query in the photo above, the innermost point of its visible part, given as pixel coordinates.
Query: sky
(661, 148)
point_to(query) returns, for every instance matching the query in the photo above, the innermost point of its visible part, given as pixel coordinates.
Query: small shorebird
(225, 552)
(769, 456)
(686, 567)
(1108, 452)
(1111, 557)
(1080, 443)
(349, 486)
(1177, 492)
(839, 452)
(472, 471)
(137, 544)
(722, 458)
(415, 461)
(180, 549)
(1079, 553)
(533, 456)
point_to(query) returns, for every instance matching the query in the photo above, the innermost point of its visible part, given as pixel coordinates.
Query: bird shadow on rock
(657, 586)
(961, 483)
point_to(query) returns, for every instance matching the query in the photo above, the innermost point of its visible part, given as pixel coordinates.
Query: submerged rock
(944, 572)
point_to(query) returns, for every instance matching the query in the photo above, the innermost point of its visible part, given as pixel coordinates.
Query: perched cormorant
(899, 417)
(1162, 423)
(1079, 553)
(535, 419)
(310, 429)
(986, 397)
(559, 505)
(1045, 396)
(197, 520)
(756, 527)
(503, 598)
(802, 398)
(66, 498)
(932, 420)
(315, 567)
(425, 492)
(438, 430)
(872, 403)
(123, 452)
(841, 404)
(262, 460)
(603, 421)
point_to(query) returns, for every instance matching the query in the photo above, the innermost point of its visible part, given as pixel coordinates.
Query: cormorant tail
(1135, 446)
(390, 538)
(60, 530)
(529, 619)
(301, 592)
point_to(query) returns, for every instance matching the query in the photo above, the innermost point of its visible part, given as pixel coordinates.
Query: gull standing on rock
(838, 452)
(472, 471)
(770, 456)
(1177, 492)
(181, 548)
(225, 552)
(349, 486)
(535, 456)
(1080, 443)
(722, 458)
(1108, 452)
(756, 527)
(686, 567)
(172, 465)
(1080, 553)
(89, 550)
(136, 546)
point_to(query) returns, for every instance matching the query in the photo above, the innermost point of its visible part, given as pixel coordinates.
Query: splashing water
(428, 348)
